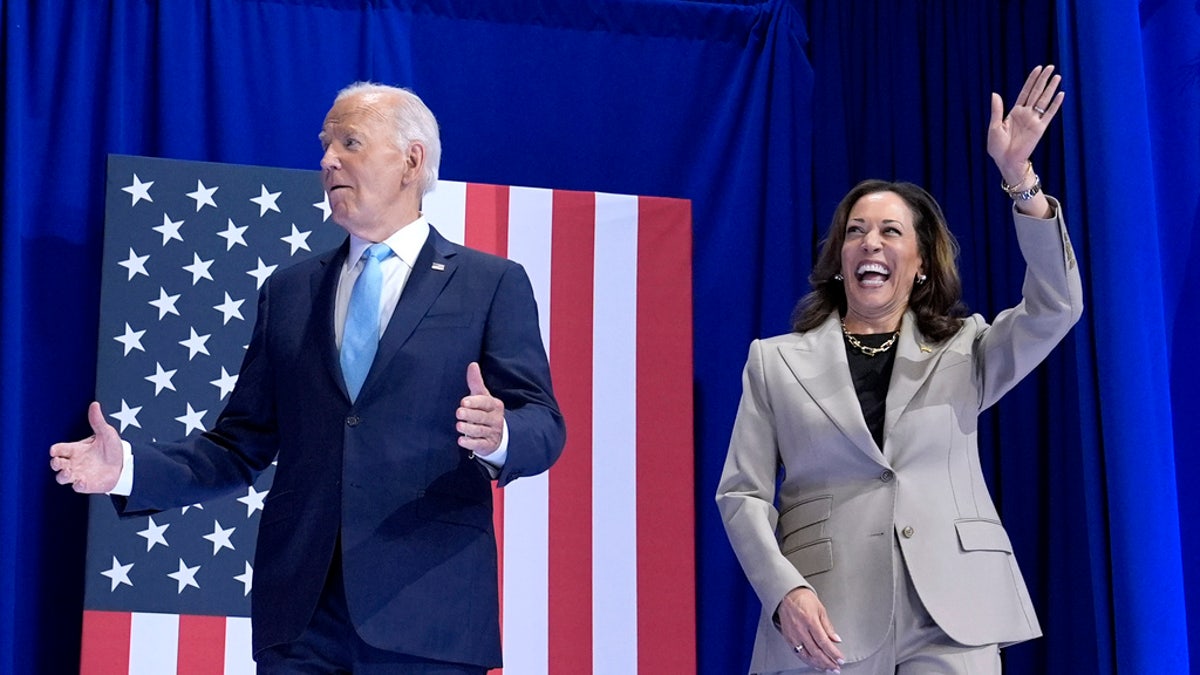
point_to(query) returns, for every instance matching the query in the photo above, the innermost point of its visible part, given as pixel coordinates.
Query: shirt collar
(406, 243)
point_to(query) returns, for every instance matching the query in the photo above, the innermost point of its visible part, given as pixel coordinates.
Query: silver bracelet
(1023, 195)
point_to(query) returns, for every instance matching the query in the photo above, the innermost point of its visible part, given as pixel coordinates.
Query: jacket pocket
(447, 319)
(804, 514)
(812, 558)
(455, 512)
(277, 507)
(977, 534)
(802, 538)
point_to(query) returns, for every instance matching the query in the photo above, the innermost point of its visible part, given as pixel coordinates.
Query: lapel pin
(439, 267)
(925, 348)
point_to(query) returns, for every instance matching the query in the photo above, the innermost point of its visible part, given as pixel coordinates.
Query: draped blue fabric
(763, 113)
(1133, 159)
(1170, 41)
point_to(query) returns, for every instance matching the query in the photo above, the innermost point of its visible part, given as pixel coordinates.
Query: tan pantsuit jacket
(842, 502)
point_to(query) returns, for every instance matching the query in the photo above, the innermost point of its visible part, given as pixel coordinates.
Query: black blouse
(871, 375)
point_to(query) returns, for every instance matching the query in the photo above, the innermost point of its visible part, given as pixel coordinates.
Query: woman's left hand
(1012, 138)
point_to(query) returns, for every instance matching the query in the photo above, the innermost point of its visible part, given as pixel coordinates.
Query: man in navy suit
(376, 551)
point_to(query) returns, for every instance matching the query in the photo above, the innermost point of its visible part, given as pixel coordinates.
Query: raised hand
(1012, 137)
(93, 465)
(480, 416)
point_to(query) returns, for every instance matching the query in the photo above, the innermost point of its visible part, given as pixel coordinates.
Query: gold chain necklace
(869, 351)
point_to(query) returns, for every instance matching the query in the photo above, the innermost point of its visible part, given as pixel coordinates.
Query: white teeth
(872, 267)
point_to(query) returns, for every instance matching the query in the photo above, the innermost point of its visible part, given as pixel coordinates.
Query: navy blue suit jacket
(413, 509)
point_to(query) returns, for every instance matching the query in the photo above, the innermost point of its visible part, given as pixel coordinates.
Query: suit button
(907, 532)
(352, 421)
(887, 476)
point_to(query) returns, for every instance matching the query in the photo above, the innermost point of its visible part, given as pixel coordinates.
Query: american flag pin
(439, 267)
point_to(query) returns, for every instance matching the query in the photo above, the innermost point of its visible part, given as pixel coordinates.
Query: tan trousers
(916, 645)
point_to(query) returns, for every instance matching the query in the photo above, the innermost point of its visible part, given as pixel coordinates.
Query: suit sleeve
(516, 370)
(746, 493)
(1052, 301)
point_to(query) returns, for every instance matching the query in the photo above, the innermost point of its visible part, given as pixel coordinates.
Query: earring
(921, 279)
(838, 277)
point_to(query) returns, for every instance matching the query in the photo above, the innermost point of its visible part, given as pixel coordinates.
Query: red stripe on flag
(201, 645)
(487, 218)
(105, 647)
(487, 230)
(571, 287)
(666, 555)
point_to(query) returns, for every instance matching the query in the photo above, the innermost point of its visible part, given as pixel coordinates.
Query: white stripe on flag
(527, 501)
(239, 654)
(614, 437)
(446, 209)
(530, 218)
(153, 643)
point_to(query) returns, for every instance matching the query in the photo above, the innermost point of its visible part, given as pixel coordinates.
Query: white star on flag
(220, 537)
(225, 383)
(297, 240)
(323, 205)
(266, 201)
(253, 500)
(136, 264)
(230, 308)
(247, 578)
(154, 534)
(186, 576)
(203, 196)
(192, 419)
(132, 339)
(139, 190)
(118, 574)
(261, 273)
(161, 378)
(233, 235)
(195, 343)
(127, 416)
(199, 269)
(165, 303)
(169, 229)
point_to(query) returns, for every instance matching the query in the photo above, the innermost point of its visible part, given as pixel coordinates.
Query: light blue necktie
(360, 338)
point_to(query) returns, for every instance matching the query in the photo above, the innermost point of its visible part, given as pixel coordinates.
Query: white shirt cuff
(124, 485)
(495, 461)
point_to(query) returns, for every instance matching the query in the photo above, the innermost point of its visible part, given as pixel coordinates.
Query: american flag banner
(597, 555)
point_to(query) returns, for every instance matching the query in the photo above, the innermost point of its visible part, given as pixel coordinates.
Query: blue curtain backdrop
(762, 113)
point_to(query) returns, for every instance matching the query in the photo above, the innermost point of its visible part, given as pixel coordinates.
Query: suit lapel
(432, 271)
(818, 362)
(915, 359)
(324, 291)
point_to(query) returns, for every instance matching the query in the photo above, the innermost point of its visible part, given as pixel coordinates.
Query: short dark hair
(937, 303)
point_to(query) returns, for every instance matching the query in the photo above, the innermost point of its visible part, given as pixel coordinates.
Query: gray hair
(413, 121)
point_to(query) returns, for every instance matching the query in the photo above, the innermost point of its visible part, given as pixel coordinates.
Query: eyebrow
(342, 128)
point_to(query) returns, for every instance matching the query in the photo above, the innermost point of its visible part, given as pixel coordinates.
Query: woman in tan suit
(852, 491)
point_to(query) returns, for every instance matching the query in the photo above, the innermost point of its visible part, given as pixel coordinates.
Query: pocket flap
(982, 535)
(800, 516)
(812, 558)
